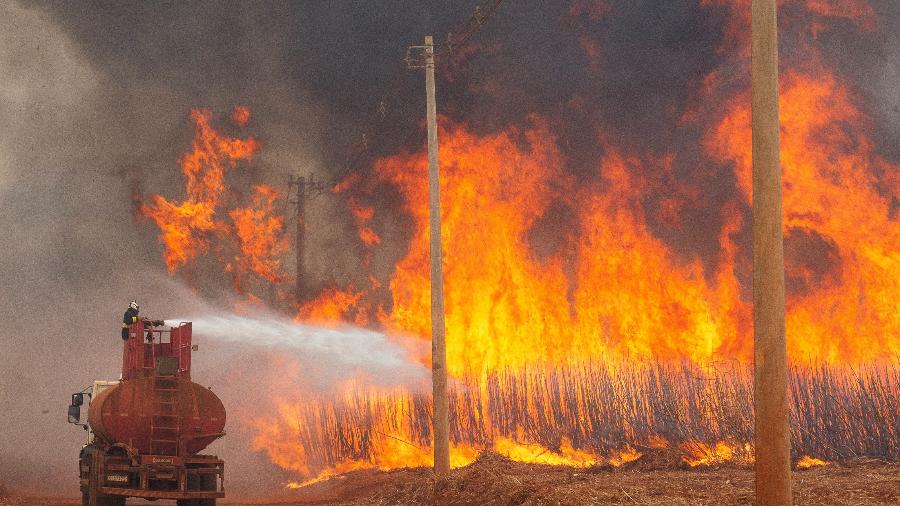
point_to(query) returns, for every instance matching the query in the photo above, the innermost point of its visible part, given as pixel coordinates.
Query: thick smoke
(95, 99)
(82, 129)
(47, 89)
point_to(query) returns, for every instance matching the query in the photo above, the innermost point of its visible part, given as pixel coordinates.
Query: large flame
(334, 306)
(247, 240)
(625, 294)
(611, 290)
(185, 227)
(259, 232)
(842, 243)
(582, 337)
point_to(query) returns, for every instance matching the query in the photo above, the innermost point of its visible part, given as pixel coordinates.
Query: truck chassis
(109, 475)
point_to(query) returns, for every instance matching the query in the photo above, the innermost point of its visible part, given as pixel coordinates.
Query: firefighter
(131, 316)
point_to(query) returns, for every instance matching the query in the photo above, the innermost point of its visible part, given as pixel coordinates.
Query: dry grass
(836, 413)
(497, 481)
(6, 498)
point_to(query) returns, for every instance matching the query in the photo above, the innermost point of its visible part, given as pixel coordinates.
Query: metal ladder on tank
(165, 423)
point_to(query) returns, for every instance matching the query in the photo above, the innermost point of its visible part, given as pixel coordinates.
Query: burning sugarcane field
(461, 252)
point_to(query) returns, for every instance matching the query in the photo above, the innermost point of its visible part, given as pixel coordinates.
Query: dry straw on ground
(837, 413)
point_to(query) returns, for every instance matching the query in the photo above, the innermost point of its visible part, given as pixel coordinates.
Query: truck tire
(208, 482)
(110, 500)
(102, 500)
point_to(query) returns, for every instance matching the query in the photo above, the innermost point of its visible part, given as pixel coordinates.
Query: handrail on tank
(160, 329)
(145, 344)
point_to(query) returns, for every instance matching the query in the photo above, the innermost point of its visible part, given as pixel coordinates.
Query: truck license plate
(117, 478)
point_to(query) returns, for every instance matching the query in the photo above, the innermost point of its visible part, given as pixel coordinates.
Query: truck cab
(78, 400)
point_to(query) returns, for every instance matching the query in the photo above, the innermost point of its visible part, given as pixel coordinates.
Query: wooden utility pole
(770, 392)
(300, 279)
(441, 421)
(306, 187)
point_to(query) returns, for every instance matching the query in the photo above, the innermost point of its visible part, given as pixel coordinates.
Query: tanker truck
(146, 431)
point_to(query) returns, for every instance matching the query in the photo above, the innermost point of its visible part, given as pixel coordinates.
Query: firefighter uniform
(131, 316)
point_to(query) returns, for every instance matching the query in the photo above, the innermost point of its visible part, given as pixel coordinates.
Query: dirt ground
(495, 480)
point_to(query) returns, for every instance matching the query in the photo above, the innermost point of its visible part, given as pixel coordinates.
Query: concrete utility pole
(770, 393)
(306, 186)
(441, 422)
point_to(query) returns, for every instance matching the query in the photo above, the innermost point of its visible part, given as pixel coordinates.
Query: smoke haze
(95, 100)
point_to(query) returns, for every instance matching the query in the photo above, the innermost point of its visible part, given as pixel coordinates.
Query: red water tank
(157, 409)
(135, 413)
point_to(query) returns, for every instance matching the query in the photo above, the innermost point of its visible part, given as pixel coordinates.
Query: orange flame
(702, 454)
(363, 216)
(830, 180)
(506, 308)
(334, 306)
(627, 294)
(553, 418)
(253, 237)
(599, 288)
(807, 462)
(185, 227)
(260, 235)
(241, 115)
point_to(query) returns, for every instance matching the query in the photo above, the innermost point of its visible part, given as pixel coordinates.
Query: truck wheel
(102, 500)
(110, 500)
(208, 482)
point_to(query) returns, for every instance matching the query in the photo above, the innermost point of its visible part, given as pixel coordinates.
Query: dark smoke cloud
(84, 123)
(95, 98)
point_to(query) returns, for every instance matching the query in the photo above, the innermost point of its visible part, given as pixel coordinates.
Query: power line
(456, 39)
(307, 186)
(483, 12)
